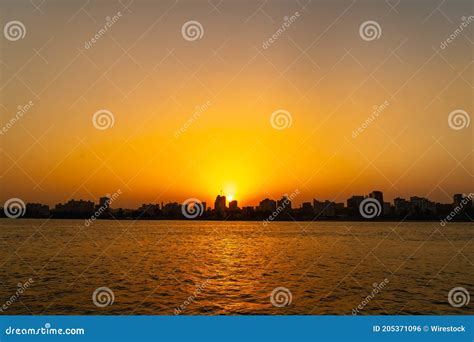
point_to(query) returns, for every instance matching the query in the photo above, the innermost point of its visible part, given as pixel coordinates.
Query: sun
(230, 197)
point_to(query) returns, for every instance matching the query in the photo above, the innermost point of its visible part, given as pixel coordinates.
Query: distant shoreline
(359, 208)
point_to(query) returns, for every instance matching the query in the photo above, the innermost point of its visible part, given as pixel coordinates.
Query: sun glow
(215, 137)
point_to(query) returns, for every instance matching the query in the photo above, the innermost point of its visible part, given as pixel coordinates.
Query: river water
(228, 268)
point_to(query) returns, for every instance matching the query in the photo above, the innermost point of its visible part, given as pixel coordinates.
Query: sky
(192, 115)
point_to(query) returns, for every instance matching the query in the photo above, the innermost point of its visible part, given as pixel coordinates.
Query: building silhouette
(378, 195)
(353, 204)
(457, 199)
(267, 205)
(37, 210)
(172, 209)
(284, 203)
(307, 208)
(220, 204)
(421, 206)
(402, 206)
(149, 210)
(325, 209)
(104, 202)
(233, 206)
(462, 203)
(74, 207)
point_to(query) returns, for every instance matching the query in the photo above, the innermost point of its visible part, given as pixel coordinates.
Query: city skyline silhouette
(415, 207)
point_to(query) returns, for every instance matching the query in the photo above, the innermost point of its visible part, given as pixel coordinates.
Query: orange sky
(151, 80)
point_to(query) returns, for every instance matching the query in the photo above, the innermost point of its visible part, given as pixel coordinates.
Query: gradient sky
(151, 79)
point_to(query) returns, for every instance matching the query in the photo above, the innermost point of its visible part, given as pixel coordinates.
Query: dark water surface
(209, 268)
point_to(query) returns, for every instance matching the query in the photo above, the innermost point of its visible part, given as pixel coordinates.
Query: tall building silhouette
(353, 204)
(307, 208)
(219, 204)
(104, 202)
(378, 195)
(284, 203)
(457, 199)
(462, 202)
